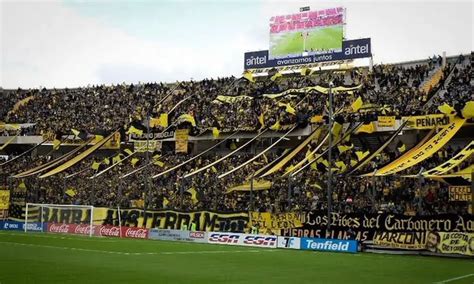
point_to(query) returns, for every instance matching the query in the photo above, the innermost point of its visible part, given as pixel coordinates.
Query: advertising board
(20, 226)
(329, 245)
(236, 239)
(178, 235)
(351, 49)
(289, 242)
(98, 230)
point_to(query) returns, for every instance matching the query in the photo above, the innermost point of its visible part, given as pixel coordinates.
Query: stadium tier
(234, 154)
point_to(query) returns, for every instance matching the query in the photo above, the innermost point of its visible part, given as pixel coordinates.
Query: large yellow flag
(56, 144)
(446, 109)
(249, 77)
(95, 165)
(261, 119)
(276, 126)
(187, 117)
(336, 129)
(357, 104)
(215, 132)
(160, 121)
(367, 128)
(134, 130)
(361, 155)
(193, 192)
(290, 109)
(134, 161)
(276, 76)
(468, 110)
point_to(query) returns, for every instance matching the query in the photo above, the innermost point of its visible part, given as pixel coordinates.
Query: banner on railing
(438, 242)
(428, 121)
(460, 193)
(386, 121)
(273, 222)
(4, 199)
(363, 227)
(161, 219)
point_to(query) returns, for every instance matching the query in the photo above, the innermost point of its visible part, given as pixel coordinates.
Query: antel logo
(11, 226)
(260, 241)
(224, 238)
(356, 49)
(59, 228)
(136, 233)
(256, 60)
(196, 235)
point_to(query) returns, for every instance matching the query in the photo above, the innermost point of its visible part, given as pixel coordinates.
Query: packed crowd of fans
(205, 191)
(387, 90)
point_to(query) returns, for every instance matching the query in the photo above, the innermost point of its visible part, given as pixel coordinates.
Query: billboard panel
(351, 49)
(306, 33)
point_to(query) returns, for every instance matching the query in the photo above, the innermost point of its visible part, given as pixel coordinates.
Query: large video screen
(306, 33)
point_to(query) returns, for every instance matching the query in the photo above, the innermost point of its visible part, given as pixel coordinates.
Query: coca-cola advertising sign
(83, 229)
(104, 231)
(136, 233)
(108, 231)
(61, 228)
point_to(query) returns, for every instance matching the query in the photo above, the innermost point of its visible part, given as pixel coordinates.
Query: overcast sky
(80, 43)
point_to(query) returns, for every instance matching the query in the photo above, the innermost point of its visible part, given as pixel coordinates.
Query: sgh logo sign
(224, 238)
(351, 49)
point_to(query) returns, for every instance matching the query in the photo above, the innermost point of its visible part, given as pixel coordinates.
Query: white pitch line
(78, 237)
(456, 278)
(140, 253)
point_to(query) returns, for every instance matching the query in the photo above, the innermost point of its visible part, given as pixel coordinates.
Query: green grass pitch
(292, 43)
(53, 258)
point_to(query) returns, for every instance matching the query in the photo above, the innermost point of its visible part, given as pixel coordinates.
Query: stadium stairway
(441, 92)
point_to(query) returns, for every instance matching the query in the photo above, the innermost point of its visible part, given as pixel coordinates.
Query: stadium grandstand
(372, 159)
